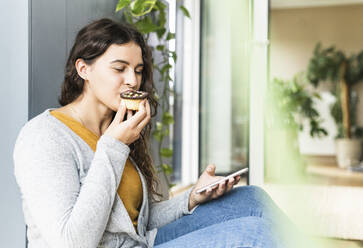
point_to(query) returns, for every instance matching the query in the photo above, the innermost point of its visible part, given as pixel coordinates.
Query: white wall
(13, 114)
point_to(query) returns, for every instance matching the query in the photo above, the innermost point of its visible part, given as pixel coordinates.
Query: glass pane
(225, 34)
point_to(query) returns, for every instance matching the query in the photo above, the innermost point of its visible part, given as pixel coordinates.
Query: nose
(130, 79)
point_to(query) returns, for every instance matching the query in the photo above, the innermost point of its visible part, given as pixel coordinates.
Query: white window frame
(258, 75)
(191, 88)
(191, 70)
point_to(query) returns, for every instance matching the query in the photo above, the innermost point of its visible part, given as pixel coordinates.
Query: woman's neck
(93, 115)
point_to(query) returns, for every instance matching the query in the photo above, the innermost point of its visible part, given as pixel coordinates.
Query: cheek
(105, 88)
(139, 81)
(105, 80)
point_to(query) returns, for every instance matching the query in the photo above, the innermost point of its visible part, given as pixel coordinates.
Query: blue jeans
(244, 217)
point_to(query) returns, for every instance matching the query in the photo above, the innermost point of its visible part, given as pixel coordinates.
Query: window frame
(190, 149)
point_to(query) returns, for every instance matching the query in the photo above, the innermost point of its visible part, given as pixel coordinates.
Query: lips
(126, 91)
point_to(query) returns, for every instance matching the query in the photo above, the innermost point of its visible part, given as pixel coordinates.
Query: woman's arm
(67, 214)
(164, 212)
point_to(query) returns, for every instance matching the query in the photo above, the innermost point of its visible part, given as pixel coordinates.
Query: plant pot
(348, 152)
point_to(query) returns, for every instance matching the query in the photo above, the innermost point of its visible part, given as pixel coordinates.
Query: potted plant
(290, 105)
(333, 65)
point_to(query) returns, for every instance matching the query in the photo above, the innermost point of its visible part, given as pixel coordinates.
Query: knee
(253, 192)
(252, 195)
(257, 191)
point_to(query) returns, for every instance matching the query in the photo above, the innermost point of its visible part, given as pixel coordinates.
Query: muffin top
(133, 94)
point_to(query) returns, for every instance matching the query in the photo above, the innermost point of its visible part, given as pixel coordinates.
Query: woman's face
(117, 70)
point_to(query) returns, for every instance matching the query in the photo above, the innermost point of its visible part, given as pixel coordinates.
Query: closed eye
(120, 69)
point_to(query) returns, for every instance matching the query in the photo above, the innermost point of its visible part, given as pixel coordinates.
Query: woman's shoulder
(43, 128)
(42, 123)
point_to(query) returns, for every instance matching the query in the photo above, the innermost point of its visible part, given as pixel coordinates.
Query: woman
(86, 176)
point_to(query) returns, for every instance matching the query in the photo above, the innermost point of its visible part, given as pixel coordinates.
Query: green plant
(293, 104)
(150, 18)
(290, 106)
(333, 65)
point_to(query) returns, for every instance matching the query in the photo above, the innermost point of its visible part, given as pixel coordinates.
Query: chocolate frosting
(133, 94)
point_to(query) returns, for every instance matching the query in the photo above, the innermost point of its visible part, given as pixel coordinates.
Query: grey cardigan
(69, 193)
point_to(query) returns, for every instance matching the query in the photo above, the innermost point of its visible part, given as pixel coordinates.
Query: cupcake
(133, 98)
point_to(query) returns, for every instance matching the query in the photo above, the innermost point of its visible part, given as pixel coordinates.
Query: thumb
(211, 169)
(120, 112)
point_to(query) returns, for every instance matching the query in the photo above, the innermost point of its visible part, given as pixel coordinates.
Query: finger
(129, 114)
(140, 115)
(237, 178)
(208, 193)
(230, 184)
(210, 170)
(215, 187)
(214, 195)
(144, 122)
(120, 112)
(221, 189)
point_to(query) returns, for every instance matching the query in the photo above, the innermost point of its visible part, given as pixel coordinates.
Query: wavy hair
(91, 42)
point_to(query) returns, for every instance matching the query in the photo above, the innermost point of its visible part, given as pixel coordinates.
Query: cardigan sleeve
(164, 212)
(67, 214)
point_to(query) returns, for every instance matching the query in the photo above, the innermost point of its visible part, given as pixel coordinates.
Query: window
(224, 84)
(223, 49)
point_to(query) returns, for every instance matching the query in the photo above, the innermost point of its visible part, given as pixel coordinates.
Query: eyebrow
(125, 62)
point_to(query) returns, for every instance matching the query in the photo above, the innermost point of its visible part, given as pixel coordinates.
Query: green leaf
(159, 126)
(162, 14)
(122, 4)
(142, 7)
(160, 5)
(160, 32)
(166, 152)
(160, 47)
(185, 11)
(156, 96)
(128, 17)
(166, 132)
(167, 118)
(165, 68)
(146, 25)
(170, 36)
(157, 135)
(173, 54)
(168, 170)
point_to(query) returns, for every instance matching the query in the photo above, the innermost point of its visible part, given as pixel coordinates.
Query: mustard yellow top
(130, 188)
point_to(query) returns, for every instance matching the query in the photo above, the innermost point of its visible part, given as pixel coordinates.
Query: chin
(114, 108)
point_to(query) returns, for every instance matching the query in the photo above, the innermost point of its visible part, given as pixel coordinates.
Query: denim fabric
(244, 217)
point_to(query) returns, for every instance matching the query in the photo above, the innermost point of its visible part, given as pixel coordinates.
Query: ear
(82, 68)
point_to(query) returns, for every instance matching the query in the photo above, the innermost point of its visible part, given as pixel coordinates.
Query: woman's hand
(128, 131)
(206, 178)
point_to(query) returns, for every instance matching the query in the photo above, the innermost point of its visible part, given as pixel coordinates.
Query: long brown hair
(91, 42)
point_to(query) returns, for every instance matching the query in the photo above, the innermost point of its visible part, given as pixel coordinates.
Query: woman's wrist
(192, 203)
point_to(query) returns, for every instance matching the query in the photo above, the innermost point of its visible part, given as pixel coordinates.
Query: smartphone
(237, 173)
